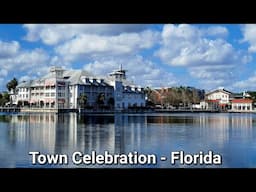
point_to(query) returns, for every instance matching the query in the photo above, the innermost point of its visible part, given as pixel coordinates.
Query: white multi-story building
(222, 99)
(126, 94)
(50, 91)
(218, 99)
(63, 89)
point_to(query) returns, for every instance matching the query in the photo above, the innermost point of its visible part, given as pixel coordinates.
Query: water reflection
(232, 135)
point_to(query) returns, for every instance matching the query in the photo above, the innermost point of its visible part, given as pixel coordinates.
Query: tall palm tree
(100, 99)
(82, 100)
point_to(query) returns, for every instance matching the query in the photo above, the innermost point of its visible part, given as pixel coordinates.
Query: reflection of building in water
(96, 133)
(132, 129)
(37, 131)
(242, 126)
(221, 128)
(214, 128)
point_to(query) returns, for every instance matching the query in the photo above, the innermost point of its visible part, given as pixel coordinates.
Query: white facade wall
(23, 94)
(241, 106)
(118, 95)
(223, 97)
(52, 96)
(204, 105)
(133, 99)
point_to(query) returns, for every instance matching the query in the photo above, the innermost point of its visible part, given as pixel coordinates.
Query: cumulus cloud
(247, 84)
(209, 60)
(139, 70)
(93, 46)
(15, 61)
(184, 45)
(249, 31)
(3, 72)
(216, 31)
(8, 49)
(52, 34)
(29, 61)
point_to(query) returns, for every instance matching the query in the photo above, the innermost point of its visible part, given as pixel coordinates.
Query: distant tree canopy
(253, 95)
(4, 98)
(175, 96)
(12, 84)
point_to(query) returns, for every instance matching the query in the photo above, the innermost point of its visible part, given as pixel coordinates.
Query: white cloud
(3, 72)
(94, 46)
(218, 31)
(212, 61)
(32, 61)
(248, 84)
(249, 31)
(52, 34)
(184, 45)
(15, 61)
(8, 49)
(139, 70)
(26, 78)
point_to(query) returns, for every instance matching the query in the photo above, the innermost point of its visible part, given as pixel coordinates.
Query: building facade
(242, 105)
(75, 89)
(218, 99)
(126, 93)
(224, 100)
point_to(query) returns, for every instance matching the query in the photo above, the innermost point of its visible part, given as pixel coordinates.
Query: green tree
(12, 84)
(4, 98)
(100, 99)
(82, 100)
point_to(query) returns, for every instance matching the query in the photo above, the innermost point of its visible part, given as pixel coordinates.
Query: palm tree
(100, 99)
(82, 100)
(11, 85)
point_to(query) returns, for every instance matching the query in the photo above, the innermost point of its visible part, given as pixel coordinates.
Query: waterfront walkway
(9, 109)
(103, 111)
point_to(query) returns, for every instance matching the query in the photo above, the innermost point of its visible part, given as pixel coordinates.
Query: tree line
(5, 96)
(175, 96)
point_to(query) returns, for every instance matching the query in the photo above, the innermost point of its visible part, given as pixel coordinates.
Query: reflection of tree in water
(5, 118)
(95, 119)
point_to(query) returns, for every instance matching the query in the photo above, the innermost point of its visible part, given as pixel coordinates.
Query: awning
(61, 100)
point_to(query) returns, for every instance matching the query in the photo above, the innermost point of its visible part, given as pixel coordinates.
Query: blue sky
(205, 56)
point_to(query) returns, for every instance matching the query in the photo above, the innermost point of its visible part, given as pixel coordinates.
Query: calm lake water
(231, 135)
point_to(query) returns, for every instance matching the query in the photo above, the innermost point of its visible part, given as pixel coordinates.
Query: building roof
(24, 84)
(219, 90)
(74, 76)
(242, 101)
(236, 95)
